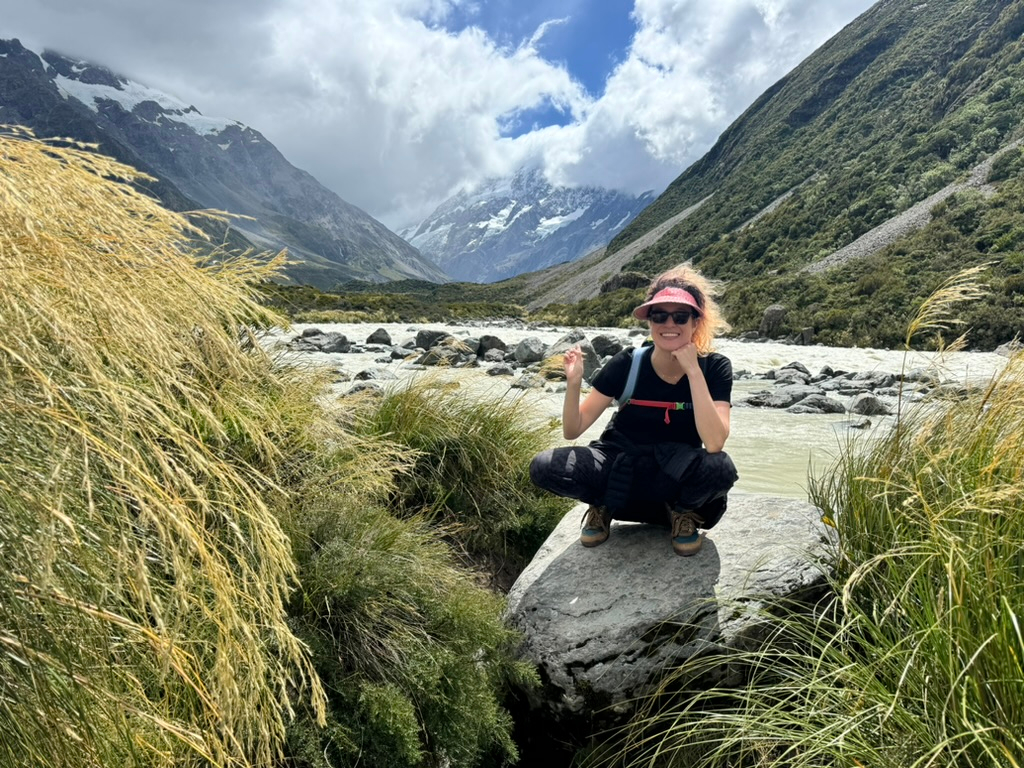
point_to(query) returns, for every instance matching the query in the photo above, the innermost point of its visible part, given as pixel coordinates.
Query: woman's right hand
(573, 364)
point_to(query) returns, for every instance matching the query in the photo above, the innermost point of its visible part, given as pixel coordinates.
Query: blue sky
(398, 104)
(590, 38)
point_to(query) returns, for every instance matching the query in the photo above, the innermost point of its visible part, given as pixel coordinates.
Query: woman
(660, 459)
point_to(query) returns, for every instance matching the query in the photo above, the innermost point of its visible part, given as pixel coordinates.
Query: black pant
(582, 472)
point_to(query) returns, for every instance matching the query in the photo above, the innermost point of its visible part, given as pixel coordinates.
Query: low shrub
(471, 472)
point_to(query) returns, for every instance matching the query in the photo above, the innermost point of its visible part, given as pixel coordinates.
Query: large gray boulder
(604, 624)
(772, 321)
(530, 350)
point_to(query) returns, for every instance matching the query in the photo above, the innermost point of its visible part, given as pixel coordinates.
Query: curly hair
(711, 322)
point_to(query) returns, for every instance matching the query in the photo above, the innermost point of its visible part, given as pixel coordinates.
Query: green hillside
(906, 100)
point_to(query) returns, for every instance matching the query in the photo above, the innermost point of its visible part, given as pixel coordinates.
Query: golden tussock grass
(142, 574)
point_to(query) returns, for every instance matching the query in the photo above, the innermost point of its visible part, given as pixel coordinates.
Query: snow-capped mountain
(206, 162)
(520, 224)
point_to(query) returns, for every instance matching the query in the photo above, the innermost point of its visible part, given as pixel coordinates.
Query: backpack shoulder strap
(634, 372)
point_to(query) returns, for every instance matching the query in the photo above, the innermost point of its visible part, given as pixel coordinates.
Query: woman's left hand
(686, 356)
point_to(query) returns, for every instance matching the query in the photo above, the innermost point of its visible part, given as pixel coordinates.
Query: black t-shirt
(644, 424)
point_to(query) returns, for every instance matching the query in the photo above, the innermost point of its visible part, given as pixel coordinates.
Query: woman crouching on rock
(660, 459)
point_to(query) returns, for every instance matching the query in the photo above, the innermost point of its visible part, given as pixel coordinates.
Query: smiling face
(670, 336)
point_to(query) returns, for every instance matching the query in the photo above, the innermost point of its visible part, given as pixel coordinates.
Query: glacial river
(772, 449)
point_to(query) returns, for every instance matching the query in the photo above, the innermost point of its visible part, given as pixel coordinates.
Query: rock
(491, 342)
(530, 350)
(796, 366)
(1010, 348)
(501, 369)
(473, 344)
(375, 374)
(817, 404)
(866, 404)
(332, 342)
(771, 321)
(379, 336)
(607, 346)
(789, 375)
(805, 337)
(365, 387)
(874, 379)
(783, 397)
(860, 424)
(604, 624)
(427, 338)
(921, 376)
(449, 351)
(528, 381)
(494, 355)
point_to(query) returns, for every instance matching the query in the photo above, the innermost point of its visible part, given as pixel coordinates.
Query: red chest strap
(661, 404)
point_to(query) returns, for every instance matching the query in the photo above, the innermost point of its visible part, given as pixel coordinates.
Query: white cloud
(382, 104)
(694, 66)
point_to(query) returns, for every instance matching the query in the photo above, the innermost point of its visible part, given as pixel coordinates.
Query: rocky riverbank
(794, 405)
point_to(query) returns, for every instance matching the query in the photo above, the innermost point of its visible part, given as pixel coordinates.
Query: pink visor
(667, 296)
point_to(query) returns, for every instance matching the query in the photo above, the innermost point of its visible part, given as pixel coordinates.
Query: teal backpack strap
(634, 372)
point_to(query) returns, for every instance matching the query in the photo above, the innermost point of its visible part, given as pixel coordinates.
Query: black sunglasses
(681, 317)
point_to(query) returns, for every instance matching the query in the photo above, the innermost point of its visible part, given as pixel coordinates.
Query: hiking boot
(596, 525)
(685, 539)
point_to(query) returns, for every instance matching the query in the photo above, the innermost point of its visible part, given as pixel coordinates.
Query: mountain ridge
(206, 162)
(520, 223)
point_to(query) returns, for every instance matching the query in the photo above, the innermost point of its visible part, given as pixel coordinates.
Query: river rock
(771, 321)
(866, 404)
(817, 404)
(313, 339)
(789, 375)
(379, 336)
(606, 345)
(1010, 348)
(428, 337)
(530, 350)
(783, 397)
(487, 342)
(375, 374)
(604, 624)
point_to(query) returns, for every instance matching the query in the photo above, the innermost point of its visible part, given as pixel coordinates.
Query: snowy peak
(521, 223)
(206, 162)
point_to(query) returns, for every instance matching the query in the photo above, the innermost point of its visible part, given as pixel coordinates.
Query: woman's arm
(712, 416)
(578, 417)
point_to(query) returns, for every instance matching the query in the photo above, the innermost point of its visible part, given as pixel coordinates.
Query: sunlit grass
(142, 601)
(191, 543)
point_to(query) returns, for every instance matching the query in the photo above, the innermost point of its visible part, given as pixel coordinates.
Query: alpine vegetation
(199, 563)
(144, 576)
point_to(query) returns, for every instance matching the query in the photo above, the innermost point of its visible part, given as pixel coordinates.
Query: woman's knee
(720, 468)
(540, 468)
